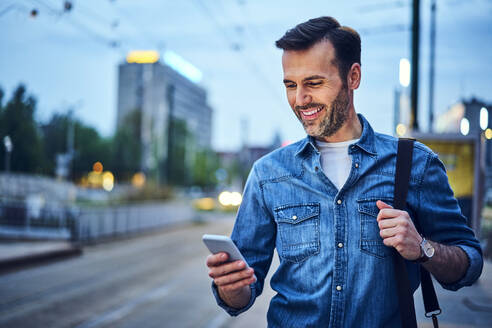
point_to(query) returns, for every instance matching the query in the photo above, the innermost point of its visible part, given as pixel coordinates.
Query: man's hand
(232, 279)
(397, 230)
(449, 263)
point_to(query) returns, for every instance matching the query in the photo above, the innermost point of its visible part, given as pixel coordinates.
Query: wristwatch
(426, 251)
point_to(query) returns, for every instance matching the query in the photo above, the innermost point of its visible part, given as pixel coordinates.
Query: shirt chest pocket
(298, 231)
(370, 239)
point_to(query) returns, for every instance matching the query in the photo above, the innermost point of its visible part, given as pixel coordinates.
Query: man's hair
(345, 40)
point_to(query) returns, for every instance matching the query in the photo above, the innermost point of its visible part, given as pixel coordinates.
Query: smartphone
(219, 243)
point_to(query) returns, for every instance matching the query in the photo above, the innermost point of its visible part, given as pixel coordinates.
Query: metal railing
(88, 224)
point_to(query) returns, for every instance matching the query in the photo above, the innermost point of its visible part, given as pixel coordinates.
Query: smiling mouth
(311, 114)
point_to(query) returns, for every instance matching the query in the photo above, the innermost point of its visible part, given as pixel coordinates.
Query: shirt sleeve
(254, 234)
(441, 220)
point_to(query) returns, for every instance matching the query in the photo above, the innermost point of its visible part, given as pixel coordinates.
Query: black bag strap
(431, 304)
(405, 297)
(402, 178)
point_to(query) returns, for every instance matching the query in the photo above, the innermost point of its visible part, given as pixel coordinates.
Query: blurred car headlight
(204, 204)
(227, 198)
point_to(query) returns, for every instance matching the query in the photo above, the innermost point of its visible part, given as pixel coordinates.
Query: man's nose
(303, 98)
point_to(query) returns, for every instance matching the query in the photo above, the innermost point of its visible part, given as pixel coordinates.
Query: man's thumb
(380, 204)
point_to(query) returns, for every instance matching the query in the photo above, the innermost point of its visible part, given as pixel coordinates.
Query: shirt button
(294, 217)
(339, 288)
(340, 245)
(316, 168)
(339, 201)
(356, 165)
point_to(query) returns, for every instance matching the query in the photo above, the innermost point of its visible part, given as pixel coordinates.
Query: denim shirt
(334, 269)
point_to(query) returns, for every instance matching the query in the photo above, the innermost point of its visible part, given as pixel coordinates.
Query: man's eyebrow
(309, 78)
(314, 77)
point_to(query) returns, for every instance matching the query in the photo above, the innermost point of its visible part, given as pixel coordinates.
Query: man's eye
(312, 84)
(290, 86)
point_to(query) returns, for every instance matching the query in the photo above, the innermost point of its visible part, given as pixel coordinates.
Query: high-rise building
(175, 119)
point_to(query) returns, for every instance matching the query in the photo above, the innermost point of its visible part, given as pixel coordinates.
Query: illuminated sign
(458, 157)
(182, 66)
(172, 59)
(142, 57)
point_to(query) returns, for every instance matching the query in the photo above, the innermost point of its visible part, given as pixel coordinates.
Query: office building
(175, 119)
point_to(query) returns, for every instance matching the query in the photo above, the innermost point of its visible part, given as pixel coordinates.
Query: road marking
(475, 306)
(45, 293)
(122, 311)
(218, 321)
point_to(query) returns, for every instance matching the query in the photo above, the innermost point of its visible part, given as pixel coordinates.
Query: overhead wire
(247, 60)
(380, 7)
(383, 6)
(142, 32)
(13, 6)
(255, 35)
(89, 12)
(384, 29)
(113, 43)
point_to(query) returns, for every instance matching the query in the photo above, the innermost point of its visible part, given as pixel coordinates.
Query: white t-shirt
(335, 160)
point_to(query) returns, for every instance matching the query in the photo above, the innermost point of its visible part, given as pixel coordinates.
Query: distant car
(204, 204)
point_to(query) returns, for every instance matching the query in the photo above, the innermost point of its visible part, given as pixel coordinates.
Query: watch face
(428, 249)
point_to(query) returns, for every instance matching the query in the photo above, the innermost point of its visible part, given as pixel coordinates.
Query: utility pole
(244, 132)
(170, 135)
(414, 92)
(432, 61)
(64, 162)
(7, 142)
(70, 141)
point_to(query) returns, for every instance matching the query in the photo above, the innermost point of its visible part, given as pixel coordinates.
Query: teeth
(313, 111)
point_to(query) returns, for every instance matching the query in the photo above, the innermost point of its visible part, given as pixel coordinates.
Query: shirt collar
(366, 141)
(306, 145)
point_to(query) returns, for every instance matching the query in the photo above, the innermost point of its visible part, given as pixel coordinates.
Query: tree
(204, 167)
(126, 147)
(89, 146)
(55, 138)
(17, 121)
(178, 169)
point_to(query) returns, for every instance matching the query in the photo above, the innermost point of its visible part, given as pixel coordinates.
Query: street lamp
(404, 72)
(484, 118)
(402, 109)
(8, 147)
(464, 126)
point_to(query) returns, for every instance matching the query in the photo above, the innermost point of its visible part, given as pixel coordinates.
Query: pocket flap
(296, 213)
(368, 205)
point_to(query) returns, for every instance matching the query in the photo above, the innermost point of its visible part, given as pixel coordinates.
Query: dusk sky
(71, 59)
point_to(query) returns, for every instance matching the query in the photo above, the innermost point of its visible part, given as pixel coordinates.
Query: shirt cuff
(233, 311)
(473, 272)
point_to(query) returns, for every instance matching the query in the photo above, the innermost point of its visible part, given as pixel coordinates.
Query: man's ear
(354, 76)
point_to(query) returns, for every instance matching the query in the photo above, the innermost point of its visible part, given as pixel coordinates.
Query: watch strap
(423, 257)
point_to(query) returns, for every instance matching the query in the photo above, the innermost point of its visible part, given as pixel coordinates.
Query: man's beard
(333, 120)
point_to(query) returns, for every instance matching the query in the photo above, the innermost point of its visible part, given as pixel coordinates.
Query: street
(160, 280)
(157, 280)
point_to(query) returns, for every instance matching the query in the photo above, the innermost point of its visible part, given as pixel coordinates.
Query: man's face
(314, 89)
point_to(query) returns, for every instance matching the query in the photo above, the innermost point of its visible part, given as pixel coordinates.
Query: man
(325, 204)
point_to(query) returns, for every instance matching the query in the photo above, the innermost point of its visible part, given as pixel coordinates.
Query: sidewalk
(16, 254)
(469, 307)
(466, 308)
